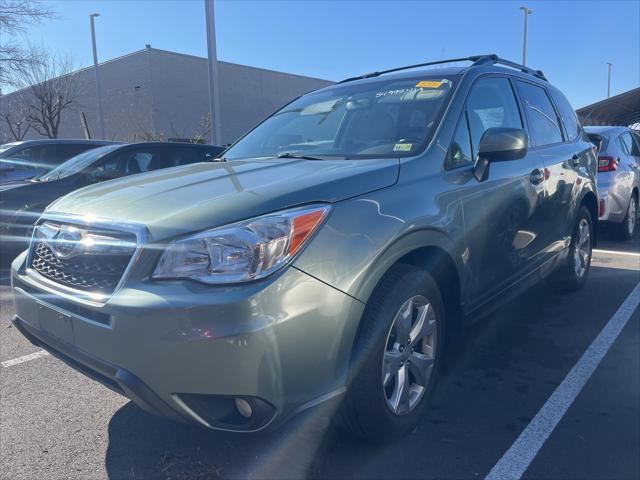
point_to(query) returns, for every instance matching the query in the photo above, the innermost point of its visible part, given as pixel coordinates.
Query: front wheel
(572, 274)
(396, 357)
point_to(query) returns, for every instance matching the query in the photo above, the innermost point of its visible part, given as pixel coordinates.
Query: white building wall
(161, 94)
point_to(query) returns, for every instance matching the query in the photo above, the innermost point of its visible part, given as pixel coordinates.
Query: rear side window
(491, 103)
(45, 156)
(568, 116)
(597, 140)
(541, 116)
(629, 145)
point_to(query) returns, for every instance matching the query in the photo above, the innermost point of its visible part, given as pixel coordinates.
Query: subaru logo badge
(66, 242)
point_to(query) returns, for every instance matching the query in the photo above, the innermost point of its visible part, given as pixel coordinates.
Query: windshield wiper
(304, 157)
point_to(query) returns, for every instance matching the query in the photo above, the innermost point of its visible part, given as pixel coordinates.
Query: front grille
(96, 268)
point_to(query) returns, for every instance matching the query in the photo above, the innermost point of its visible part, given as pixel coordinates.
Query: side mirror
(499, 145)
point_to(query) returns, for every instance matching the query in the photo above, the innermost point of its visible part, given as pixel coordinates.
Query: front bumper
(283, 343)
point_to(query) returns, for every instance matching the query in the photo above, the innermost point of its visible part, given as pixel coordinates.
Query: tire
(368, 411)
(573, 273)
(627, 229)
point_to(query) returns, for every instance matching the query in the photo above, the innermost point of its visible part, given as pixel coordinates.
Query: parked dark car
(336, 253)
(21, 203)
(30, 158)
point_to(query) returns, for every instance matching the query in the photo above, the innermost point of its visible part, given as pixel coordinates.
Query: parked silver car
(618, 176)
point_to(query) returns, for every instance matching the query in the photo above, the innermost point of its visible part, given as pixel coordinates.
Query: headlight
(241, 251)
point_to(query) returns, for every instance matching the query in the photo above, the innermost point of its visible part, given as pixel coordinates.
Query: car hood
(180, 200)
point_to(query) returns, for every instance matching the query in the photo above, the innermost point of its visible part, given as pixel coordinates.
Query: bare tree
(15, 17)
(204, 129)
(14, 115)
(50, 88)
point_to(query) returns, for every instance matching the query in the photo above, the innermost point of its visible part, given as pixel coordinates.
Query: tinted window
(68, 151)
(597, 140)
(630, 146)
(568, 116)
(491, 103)
(186, 155)
(460, 150)
(542, 118)
(135, 160)
(42, 156)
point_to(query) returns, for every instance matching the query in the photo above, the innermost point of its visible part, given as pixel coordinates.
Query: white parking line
(615, 252)
(25, 358)
(517, 459)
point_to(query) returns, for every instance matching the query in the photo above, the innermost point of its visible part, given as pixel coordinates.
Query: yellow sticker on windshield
(428, 84)
(402, 147)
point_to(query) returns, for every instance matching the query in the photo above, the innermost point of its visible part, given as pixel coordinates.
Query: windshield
(76, 164)
(381, 119)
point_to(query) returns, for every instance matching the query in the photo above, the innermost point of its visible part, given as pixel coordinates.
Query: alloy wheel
(410, 354)
(582, 248)
(631, 216)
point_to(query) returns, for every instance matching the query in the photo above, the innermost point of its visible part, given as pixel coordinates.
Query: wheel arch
(435, 252)
(590, 201)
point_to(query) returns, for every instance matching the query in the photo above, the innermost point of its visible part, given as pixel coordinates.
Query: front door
(503, 213)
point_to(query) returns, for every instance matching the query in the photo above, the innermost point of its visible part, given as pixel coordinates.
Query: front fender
(364, 238)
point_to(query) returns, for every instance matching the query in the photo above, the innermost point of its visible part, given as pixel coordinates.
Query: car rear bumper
(614, 199)
(187, 351)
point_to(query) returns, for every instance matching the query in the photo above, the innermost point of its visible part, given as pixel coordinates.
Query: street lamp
(609, 80)
(95, 68)
(527, 11)
(214, 87)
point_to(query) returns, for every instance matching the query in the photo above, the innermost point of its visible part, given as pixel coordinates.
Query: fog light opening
(244, 408)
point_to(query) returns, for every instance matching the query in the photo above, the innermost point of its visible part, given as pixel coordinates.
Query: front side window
(186, 155)
(568, 116)
(491, 104)
(541, 116)
(354, 120)
(68, 151)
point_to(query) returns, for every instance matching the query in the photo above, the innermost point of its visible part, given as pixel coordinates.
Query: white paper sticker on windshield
(402, 147)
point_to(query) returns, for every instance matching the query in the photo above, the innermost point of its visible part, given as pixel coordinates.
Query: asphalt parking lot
(499, 392)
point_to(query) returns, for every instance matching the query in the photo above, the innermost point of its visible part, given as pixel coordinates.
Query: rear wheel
(627, 228)
(573, 273)
(396, 357)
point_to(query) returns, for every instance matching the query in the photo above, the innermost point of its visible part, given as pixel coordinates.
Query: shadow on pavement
(144, 446)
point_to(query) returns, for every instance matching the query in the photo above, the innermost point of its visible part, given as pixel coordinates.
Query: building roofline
(159, 50)
(170, 52)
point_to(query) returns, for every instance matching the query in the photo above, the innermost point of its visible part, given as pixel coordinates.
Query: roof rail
(476, 59)
(493, 59)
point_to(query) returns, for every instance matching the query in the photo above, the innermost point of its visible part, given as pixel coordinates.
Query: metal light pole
(214, 84)
(527, 11)
(609, 80)
(95, 68)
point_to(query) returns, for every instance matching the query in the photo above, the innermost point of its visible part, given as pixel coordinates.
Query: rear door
(502, 213)
(563, 154)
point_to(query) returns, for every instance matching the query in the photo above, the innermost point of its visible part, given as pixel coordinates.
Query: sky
(571, 41)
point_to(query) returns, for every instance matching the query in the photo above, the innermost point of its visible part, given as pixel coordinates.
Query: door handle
(536, 177)
(575, 161)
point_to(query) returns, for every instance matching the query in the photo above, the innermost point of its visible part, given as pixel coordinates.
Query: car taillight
(607, 164)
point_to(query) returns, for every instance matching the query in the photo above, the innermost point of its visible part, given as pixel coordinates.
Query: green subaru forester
(334, 252)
